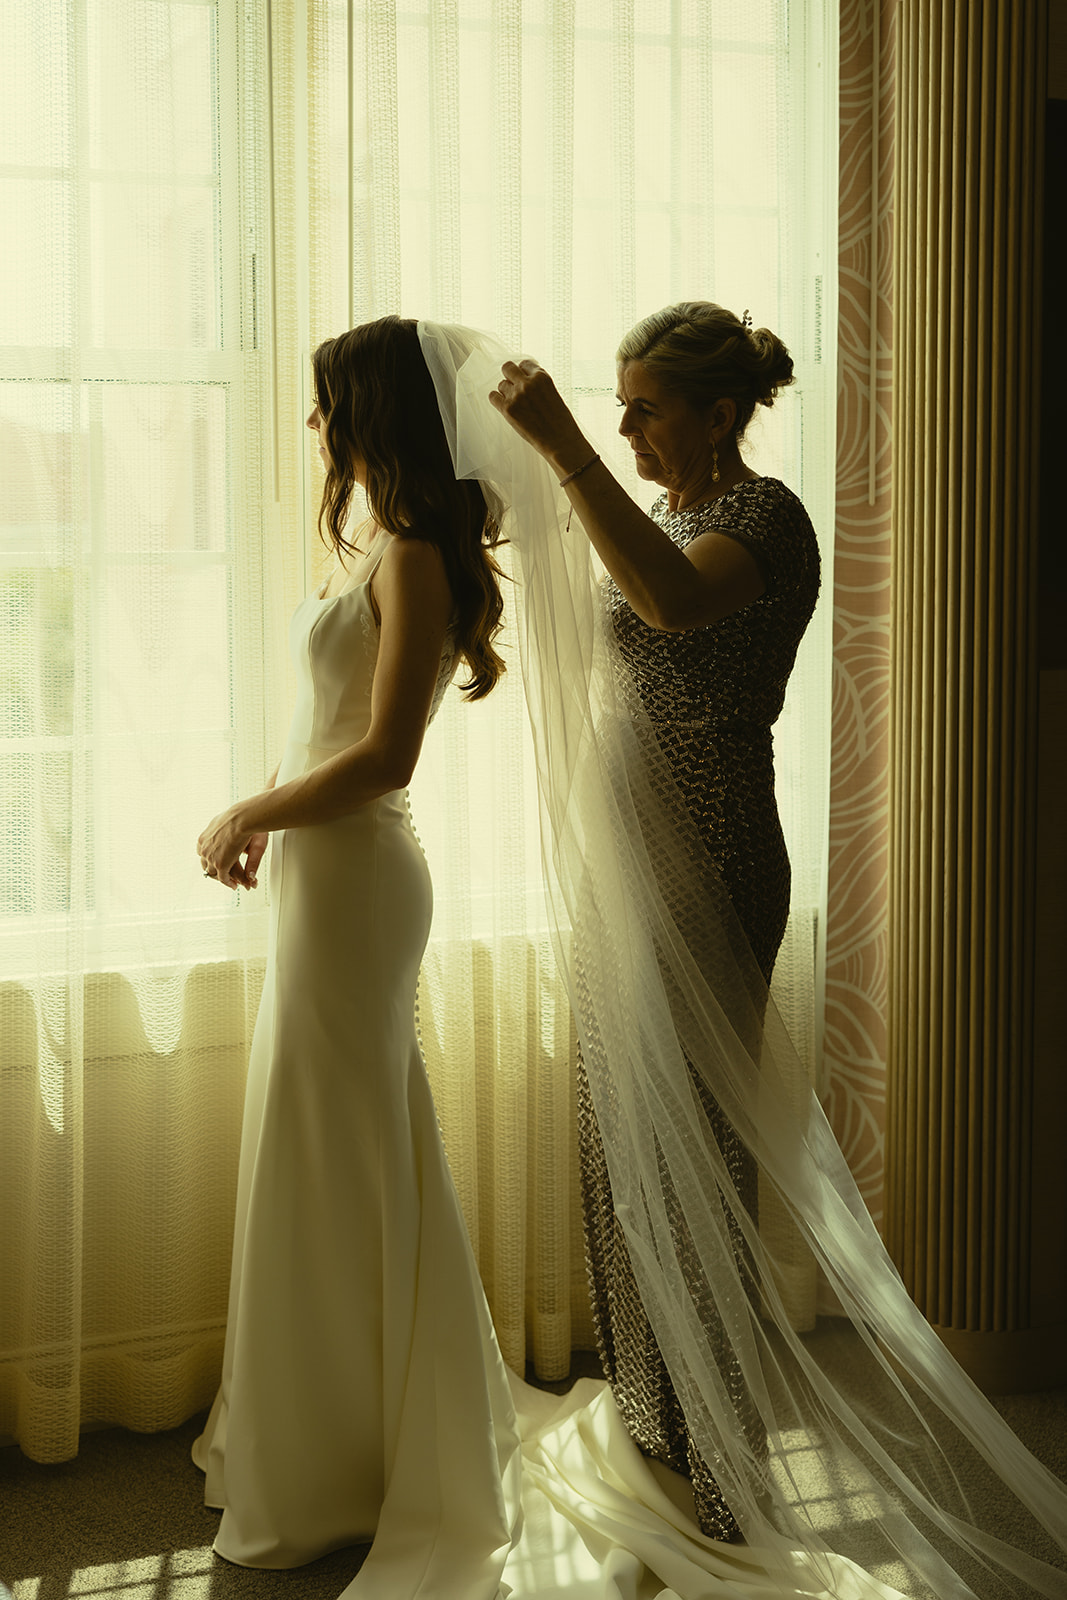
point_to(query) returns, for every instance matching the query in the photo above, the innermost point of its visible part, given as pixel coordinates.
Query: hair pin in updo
(746, 320)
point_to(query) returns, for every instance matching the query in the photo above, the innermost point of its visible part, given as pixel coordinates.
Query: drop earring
(714, 462)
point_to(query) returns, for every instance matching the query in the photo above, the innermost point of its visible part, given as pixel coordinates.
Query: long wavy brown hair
(377, 399)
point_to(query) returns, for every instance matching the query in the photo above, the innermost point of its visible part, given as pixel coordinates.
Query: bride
(362, 1393)
(363, 1396)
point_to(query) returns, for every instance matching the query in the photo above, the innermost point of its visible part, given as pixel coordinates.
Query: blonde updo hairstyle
(703, 353)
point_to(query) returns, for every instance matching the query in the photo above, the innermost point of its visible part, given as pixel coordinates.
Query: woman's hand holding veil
(529, 400)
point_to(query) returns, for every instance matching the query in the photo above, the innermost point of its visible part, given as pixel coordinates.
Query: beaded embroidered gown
(712, 695)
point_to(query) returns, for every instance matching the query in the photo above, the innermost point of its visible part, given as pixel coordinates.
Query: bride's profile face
(317, 423)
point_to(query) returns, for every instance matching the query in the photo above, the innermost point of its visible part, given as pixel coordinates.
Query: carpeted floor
(125, 1520)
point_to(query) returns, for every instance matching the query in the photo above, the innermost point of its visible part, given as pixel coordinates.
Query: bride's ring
(209, 872)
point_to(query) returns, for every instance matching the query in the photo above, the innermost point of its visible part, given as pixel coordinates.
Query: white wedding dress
(362, 1395)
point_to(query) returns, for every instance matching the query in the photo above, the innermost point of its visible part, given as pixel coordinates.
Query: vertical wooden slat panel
(963, 746)
(952, 664)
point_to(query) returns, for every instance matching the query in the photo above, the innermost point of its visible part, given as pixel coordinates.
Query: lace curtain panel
(196, 194)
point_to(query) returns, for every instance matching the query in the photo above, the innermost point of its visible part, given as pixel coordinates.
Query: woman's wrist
(573, 458)
(243, 816)
(593, 459)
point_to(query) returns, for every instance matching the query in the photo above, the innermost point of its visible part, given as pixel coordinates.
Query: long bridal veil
(871, 1442)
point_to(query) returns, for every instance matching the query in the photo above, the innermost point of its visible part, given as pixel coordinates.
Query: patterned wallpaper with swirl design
(855, 1035)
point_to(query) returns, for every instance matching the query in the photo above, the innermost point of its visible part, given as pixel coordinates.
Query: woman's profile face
(317, 423)
(671, 440)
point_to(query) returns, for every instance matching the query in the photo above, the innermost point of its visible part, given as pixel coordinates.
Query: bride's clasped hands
(223, 844)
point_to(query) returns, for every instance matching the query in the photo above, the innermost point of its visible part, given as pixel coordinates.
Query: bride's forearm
(339, 786)
(347, 781)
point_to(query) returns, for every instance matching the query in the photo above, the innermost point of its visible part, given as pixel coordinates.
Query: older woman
(709, 597)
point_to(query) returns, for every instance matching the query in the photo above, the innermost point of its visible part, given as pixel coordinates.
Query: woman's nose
(313, 418)
(626, 425)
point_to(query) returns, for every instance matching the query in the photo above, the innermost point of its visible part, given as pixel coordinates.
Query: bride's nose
(313, 418)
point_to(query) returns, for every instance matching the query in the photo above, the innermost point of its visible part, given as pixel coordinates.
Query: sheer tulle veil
(877, 1444)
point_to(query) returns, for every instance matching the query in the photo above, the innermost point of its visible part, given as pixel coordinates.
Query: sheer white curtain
(133, 698)
(551, 170)
(195, 194)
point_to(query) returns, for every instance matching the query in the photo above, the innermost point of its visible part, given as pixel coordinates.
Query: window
(130, 435)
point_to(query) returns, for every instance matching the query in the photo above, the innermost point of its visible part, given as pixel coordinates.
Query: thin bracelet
(563, 482)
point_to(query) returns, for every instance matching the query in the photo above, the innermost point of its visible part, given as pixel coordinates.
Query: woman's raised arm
(669, 588)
